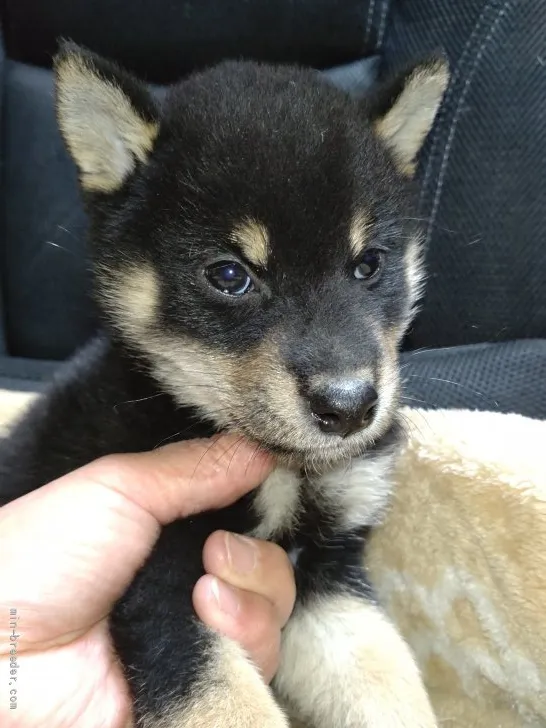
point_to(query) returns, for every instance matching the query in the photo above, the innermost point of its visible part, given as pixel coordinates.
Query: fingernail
(241, 553)
(225, 598)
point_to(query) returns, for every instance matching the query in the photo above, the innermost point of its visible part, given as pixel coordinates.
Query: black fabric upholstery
(500, 377)
(3, 348)
(26, 375)
(484, 168)
(49, 312)
(163, 40)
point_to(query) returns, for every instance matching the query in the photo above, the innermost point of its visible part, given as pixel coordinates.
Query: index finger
(183, 479)
(82, 538)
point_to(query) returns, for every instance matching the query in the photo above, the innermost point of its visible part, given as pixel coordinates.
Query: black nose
(343, 406)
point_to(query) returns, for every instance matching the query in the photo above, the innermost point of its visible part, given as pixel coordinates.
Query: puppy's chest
(291, 507)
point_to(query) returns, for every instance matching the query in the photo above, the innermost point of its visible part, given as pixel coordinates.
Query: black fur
(241, 140)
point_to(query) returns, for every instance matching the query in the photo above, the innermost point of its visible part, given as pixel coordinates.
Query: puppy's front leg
(226, 692)
(344, 665)
(180, 673)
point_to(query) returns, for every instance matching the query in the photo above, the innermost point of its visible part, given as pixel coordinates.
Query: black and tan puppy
(257, 260)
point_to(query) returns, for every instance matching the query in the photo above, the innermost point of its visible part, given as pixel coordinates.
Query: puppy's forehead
(290, 175)
(283, 135)
(253, 238)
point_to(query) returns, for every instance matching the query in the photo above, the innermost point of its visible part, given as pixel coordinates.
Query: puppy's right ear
(107, 118)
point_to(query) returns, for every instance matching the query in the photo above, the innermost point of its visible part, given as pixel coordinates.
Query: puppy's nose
(343, 406)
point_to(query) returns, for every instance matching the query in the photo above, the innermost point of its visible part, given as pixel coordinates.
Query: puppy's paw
(344, 665)
(392, 694)
(230, 695)
(392, 713)
(222, 711)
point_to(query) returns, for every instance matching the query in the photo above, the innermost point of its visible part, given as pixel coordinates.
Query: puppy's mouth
(326, 422)
(308, 445)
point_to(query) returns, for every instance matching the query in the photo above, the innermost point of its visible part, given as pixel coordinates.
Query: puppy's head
(254, 239)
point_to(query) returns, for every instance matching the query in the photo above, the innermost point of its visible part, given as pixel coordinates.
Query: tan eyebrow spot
(253, 239)
(358, 235)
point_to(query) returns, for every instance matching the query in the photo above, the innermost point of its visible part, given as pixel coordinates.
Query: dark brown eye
(370, 265)
(229, 278)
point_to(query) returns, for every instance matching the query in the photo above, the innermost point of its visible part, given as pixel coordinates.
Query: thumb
(71, 548)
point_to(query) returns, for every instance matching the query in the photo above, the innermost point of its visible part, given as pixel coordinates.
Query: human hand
(70, 549)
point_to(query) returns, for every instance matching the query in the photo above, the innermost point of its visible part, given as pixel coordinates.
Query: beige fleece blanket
(460, 562)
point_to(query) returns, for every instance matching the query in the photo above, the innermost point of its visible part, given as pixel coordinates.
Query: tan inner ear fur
(103, 131)
(404, 127)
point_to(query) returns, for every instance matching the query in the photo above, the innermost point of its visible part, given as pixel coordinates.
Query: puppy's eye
(370, 265)
(229, 277)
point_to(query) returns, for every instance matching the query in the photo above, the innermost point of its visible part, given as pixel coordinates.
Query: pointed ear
(403, 110)
(107, 118)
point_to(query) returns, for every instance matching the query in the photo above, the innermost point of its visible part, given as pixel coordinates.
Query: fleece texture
(460, 564)
(459, 561)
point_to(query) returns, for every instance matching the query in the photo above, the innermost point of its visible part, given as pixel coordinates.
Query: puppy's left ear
(403, 110)
(108, 119)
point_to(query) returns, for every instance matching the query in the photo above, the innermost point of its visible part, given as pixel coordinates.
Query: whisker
(253, 457)
(485, 397)
(195, 418)
(409, 424)
(209, 386)
(416, 352)
(59, 247)
(66, 230)
(209, 448)
(238, 443)
(415, 219)
(134, 401)
(407, 398)
(171, 437)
